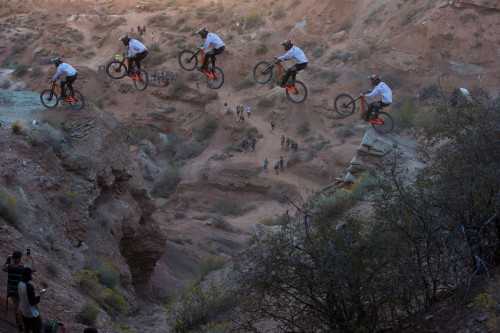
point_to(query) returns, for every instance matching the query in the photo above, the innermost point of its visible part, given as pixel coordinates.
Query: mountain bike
(117, 69)
(345, 105)
(50, 98)
(296, 91)
(188, 60)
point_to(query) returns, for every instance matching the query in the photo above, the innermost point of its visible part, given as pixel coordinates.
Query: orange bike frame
(280, 72)
(207, 73)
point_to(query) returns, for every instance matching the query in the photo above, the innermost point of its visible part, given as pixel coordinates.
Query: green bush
(88, 281)
(219, 222)
(20, 70)
(404, 115)
(304, 127)
(210, 264)
(167, 184)
(253, 18)
(8, 206)
(207, 129)
(197, 307)
(332, 205)
(243, 83)
(88, 314)
(363, 186)
(225, 206)
(114, 299)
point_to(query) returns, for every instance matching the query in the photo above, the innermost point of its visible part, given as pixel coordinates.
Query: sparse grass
(404, 115)
(17, 127)
(8, 206)
(468, 17)
(138, 134)
(225, 206)
(277, 192)
(279, 13)
(448, 36)
(266, 102)
(253, 18)
(243, 83)
(207, 129)
(20, 69)
(363, 185)
(181, 240)
(304, 127)
(428, 91)
(210, 264)
(88, 314)
(167, 184)
(114, 299)
(219, 222)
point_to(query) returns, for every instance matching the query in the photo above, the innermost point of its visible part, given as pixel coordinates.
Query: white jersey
(212, 39)
(25, 308)
(135, 47)
(296, 53)
(64, 68)
(383, 90)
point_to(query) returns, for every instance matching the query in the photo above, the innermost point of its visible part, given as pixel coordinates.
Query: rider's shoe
(62, 97)
(279, 83)
(201, 69)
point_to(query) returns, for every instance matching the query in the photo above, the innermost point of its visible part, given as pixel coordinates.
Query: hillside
(131, 139)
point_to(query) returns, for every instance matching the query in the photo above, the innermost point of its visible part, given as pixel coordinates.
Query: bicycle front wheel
(116, 69)
(298, 92)
(262, 72)
(218, 80)
(49, 98)
(188, 60)
(344, 105)
(142, 80)
(383, 124)
(79, 101)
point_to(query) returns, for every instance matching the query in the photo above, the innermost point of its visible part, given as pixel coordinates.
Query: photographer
(14, 267)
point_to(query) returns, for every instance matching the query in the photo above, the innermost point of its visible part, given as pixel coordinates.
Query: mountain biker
(292, 51)
(210, 39)
(381, 89)
(137, 51)
(69, 71)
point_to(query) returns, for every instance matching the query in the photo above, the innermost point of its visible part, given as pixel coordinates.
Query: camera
(28, 252)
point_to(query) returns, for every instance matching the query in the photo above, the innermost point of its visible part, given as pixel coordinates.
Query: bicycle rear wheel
(79, 102)
(218, 79)
(49, 98)
(142, 81)
(384, 124)
(262, 72)
(344, 105)
(116, 69)
(300, 93)
(188, 60)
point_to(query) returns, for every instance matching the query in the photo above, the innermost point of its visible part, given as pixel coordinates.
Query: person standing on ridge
(292, 52)
(210, 39)
(14, 266)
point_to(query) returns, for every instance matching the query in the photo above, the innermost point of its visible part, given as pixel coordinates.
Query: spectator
(277, 167)
(139, 31)
(28, 302)
(273, 123)
(152, 37)
(248, 111)
(282, 141)
(52, 326)
(14, 268)
(144, 29)
(238, 111)
(281, 163)
(287, 144)
(254, 140)
(266, 164)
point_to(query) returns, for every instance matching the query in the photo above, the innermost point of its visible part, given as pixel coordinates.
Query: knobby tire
(143, 81)
(388, 123)
(344, 105)
(301, 94)
(116, 69)
(218, 80)
(262, 72)
(185, 62)
(80, 101)
(49, 98)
